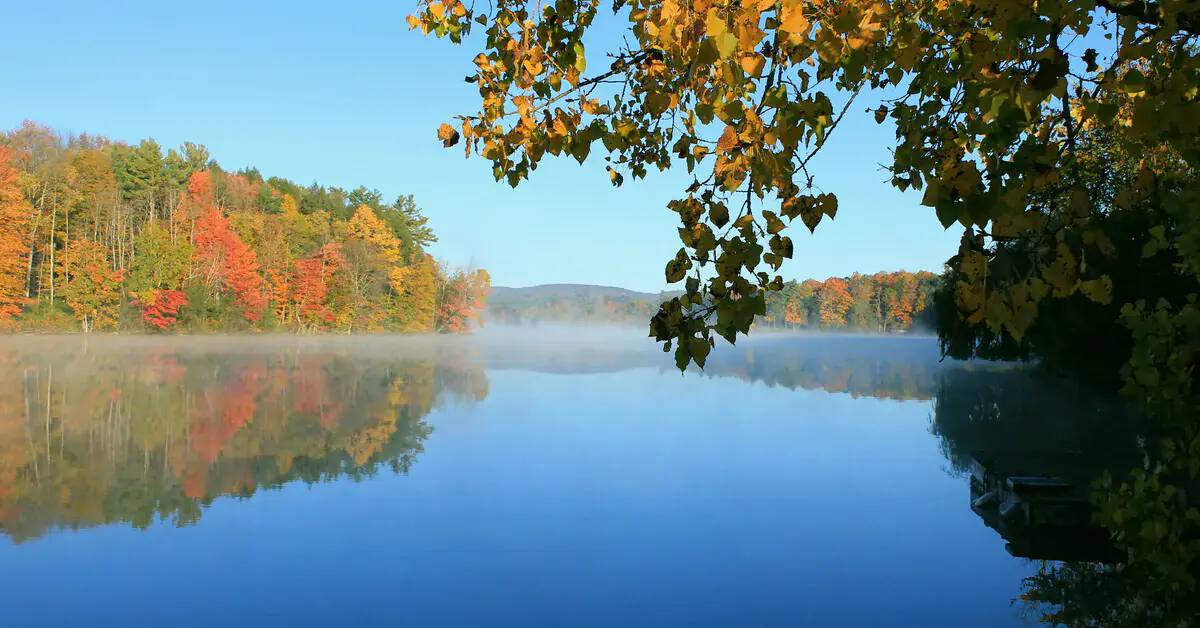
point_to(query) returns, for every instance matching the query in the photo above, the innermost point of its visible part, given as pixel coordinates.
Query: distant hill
(571, 303)
(898, 301)
(502, 294)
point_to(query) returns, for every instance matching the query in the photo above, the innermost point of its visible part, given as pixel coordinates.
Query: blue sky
(344, 94)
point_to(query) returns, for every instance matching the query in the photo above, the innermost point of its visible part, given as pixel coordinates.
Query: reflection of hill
(892, 367)
(132, 430)
(567, 303)
(888, 367)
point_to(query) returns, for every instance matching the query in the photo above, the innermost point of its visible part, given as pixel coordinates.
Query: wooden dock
(1039, 516)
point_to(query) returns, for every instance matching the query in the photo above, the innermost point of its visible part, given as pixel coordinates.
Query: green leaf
(1133, 82)
(699, 348)
(657, 102)
(719, 214)
(947, 213)
(708, 53)
(774, 224)
(682, 357)
(678, 267)
(580, 59)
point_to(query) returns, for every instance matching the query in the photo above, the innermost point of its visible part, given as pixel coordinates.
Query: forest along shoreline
(102, 236)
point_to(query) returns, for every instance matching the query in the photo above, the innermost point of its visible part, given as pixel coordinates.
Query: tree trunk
(50, 243)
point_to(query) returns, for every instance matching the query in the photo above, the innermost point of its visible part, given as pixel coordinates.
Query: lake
(565, 478)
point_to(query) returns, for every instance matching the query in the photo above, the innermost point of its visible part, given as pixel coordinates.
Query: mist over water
(548, 476)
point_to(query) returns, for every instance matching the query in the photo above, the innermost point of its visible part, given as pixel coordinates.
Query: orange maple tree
(834, 301)
(14, 225)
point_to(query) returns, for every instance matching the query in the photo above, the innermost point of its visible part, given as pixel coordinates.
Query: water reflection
(118, 431)
(105, 430)
(1030, 446)
(1056, 470)
(106, 433)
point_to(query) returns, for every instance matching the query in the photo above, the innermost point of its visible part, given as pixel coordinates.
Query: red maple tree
(163, 310)
(226, 262)
(310, 284)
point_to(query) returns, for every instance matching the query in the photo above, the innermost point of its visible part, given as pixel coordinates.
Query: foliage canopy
(987, 98)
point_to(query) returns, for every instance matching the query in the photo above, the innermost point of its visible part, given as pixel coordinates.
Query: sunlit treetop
(987, 98)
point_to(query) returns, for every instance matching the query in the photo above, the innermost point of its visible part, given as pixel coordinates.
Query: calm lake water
(510, 480)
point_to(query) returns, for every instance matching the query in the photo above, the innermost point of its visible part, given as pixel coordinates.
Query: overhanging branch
(1150, 13)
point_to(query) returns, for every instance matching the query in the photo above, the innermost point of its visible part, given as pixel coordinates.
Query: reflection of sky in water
(630, 495)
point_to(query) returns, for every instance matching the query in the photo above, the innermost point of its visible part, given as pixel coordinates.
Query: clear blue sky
(344, 94)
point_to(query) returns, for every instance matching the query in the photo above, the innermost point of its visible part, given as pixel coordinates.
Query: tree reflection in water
(1117, 545)
(102, 431)
(130, 432)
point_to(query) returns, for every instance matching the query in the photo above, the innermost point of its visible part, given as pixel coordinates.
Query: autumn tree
(310, 287)
(417, 283)
(372, 253)
(879, 302)
(226, 264)
(91, 287)
(902, 300)
(366, 227)
(97, 199)
(15, 214)
(160, 308)
(461, 296)
(834, 302)
(159, 263)
(794, 314)
(750, 92)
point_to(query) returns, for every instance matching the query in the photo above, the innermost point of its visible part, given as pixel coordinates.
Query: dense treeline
(884, 301)
(98, 235)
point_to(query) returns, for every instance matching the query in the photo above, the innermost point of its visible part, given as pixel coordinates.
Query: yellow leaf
(753, 63)
(1098, 290)
(972, 264)
(715, 24)
(1061, 273)
(792, 20)
(1037, 289)
(448, 135)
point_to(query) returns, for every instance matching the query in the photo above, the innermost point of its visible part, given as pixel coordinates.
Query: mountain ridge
(568, 289)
